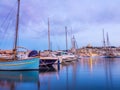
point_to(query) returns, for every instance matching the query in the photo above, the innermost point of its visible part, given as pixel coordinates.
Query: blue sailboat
(15, 63)
(25, 64)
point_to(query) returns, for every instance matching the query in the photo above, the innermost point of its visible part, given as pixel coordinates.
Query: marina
(41, 49)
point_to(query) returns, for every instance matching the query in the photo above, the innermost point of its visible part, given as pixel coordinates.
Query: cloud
(81, 15)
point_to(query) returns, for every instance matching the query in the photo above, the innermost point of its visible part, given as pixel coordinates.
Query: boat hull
(111, 56)
(47, 61)
(69, 58)
(26, 64)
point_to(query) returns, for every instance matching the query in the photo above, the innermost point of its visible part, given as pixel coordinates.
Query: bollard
(58, 64)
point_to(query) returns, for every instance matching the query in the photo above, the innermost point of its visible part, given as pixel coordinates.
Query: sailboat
(66, 56)
(109, 52)
(14, 63)
(46, 57)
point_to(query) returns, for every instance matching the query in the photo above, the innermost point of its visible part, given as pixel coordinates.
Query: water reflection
(85, 74)
(19, 80)
(104, 72)
(46, 76)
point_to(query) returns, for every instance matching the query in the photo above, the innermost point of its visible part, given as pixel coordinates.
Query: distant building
(89, 46)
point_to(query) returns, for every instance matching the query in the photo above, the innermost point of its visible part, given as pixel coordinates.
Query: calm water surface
(84, 74)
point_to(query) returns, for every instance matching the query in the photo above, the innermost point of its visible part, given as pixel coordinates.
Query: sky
(85, 19)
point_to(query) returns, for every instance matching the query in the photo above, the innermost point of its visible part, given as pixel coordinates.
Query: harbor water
(85, 74)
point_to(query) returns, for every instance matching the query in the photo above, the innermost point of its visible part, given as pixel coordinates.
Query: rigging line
(57, 45)
(10, 18)
(6, 29)
(7, 17)
(5, 34)
(7, 26)
(7, 40)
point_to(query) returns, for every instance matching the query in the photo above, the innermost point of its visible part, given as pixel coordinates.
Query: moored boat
(45, 58)
(47, 61)
(14, 63)
(66, 57)
(26, 64)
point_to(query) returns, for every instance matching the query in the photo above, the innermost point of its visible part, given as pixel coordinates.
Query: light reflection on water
(85, 74)
(19, 80)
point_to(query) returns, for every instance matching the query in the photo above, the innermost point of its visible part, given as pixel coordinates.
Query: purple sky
(84, 18)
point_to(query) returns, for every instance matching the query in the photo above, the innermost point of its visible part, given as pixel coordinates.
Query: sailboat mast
(48, 34)
(108, 42)
(16, 31)
(66, 38)
(103, 39)
(73, 42)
